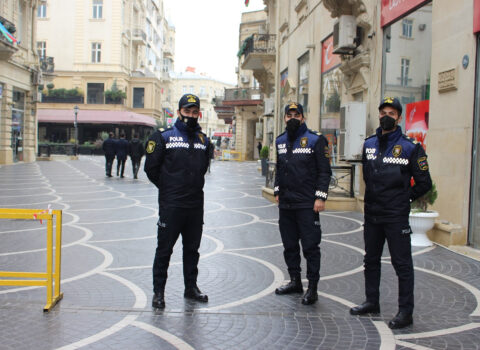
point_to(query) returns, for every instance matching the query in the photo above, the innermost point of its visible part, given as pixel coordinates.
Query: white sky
(207, 34)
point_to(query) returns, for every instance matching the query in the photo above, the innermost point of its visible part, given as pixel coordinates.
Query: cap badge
(388, 100)
(191, 99)
(293, 106)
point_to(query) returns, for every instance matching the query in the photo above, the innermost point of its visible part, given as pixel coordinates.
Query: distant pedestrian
(122, 151)
(136, 151)
(390, 160)
(109, 147)
(259, 147)
(176, 162)
(301, 189)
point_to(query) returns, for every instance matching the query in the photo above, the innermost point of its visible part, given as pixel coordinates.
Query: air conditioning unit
(36, 96)
(344, 34)
(37, 78)
(244, 79)
(353, 121)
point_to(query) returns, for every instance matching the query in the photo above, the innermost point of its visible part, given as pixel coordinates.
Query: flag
(246, 2)
(7, 34)
(168, 112)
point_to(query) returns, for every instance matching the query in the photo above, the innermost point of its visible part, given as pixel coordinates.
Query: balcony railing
(259, 44)
(242, 94)
(56, 99)
(47, 64)
(139, 34)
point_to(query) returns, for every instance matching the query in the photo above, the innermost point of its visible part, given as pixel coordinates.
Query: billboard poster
(393, 9)
(476, 16)
(416, 120)
(329, 59)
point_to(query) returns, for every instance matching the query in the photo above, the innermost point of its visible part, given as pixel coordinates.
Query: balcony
(223, 112)
(139, 37)
(7, 48)
(242, 97)
(258, 49)
(47, 64)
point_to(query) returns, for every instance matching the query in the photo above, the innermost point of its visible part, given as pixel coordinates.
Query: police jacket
(122, 149)
(389, 162)
(176, 162)
(303, 169)
(136, 149)
(109, 147)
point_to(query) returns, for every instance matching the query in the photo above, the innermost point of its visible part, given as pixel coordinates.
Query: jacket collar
(183, 127)
(391, 136)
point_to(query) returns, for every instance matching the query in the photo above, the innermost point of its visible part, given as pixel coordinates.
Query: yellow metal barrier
(41, 278)
(231, 155)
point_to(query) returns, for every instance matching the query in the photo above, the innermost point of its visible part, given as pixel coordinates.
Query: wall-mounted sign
(393, 9)
(329, 60)
(448, 80)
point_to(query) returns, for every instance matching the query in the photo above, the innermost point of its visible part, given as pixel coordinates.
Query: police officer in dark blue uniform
(176, 162)
(301, 189)
(109, 147)
(390, 160)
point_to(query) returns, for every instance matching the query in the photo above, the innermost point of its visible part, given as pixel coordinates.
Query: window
(184, 89)
(303, 73)
(42, 10)
(407, 25)
(97, 9)
(138, 97)
(96, 52)
(404, 72)
(191, 90)
(95, 93)
(41, 49)
(202, 91)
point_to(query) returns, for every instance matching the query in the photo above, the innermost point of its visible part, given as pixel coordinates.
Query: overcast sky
(207, 34)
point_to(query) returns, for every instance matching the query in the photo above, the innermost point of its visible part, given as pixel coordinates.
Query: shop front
(407, 54)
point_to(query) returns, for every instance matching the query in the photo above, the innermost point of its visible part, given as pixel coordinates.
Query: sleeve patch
(151, 146)
(422, 163)
(326, 151)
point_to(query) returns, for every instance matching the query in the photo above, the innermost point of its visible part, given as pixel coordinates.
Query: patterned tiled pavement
(109, 239)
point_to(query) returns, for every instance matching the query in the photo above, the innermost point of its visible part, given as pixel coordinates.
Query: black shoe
(158, 301)
(311, 296)
(135, 177)
(402, 320)
(195, 294)
(121, 176)
(365, 308)
(109, 175)
(294, 286)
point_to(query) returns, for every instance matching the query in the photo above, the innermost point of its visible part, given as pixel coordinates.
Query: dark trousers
(135, 165)
(171, 223)
(398, 240)
(121, 164)
(108, 164)
(301, 225)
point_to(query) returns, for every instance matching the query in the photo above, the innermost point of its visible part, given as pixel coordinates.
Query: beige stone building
(207, 89)
(422, 52)
(19, 77)
(112, 56)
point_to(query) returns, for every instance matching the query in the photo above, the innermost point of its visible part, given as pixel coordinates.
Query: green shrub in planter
(264, 152)
(421, 204)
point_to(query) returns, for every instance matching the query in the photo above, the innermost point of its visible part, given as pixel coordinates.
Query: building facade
(208, 90)
(105, 55)
(19, 78)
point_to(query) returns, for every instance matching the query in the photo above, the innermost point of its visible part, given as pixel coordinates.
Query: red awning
(222, 134)
(64, 116)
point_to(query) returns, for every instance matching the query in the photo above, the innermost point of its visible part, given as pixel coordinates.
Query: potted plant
(422, 220)
(264, 152)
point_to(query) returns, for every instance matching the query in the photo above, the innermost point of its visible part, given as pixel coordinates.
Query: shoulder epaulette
(412, 140)
(162, 130)
(315, 132)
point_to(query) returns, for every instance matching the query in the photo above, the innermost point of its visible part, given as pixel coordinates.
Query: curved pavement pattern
(109, 239)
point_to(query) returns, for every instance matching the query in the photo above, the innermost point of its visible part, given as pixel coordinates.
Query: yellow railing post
(39, 278)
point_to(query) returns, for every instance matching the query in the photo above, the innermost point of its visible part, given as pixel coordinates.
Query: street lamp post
(75, 110)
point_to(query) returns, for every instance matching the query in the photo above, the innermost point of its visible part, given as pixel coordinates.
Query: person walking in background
(259, 147)
(301, 189)
(109, 147)
(176, 162)
(135, 151)
(390, 160)
(122, 151)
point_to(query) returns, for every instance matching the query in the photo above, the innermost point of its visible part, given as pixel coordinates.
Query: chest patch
(304, 142)
(397, 151)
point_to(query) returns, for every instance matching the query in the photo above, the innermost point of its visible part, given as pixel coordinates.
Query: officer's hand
(276, 198)
(318, 206)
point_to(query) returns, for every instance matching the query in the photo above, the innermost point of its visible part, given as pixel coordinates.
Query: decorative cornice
(345, 7)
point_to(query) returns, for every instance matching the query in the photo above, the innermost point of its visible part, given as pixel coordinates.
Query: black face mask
(292, 127)
(190, 121)
(387, 123)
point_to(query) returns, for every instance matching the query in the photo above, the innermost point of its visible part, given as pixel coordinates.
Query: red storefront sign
(329, 60)
(476, 16)
(392, 9)
(416, 120)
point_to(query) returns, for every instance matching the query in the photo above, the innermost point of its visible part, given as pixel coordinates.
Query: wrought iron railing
(242, 94)
(260, 43)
